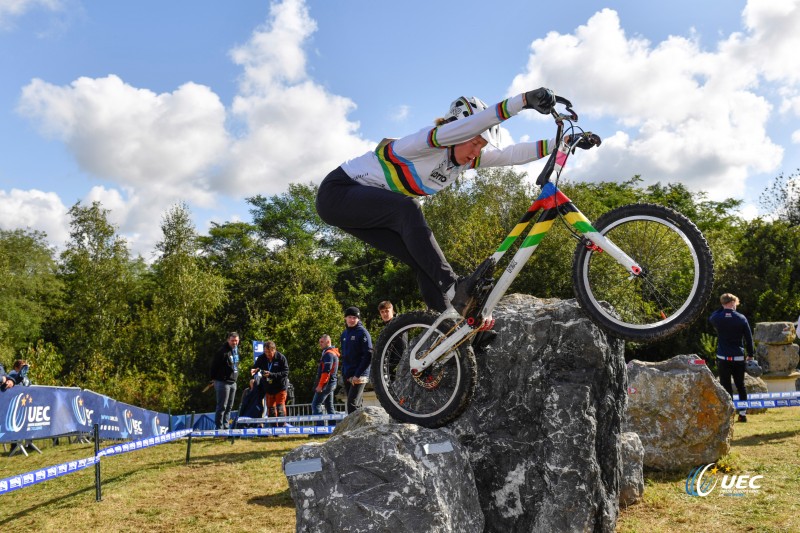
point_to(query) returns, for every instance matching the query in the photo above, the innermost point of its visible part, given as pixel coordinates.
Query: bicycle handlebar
(570, 116)
(573, 116)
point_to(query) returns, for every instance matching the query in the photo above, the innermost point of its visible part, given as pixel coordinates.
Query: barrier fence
(19, 481)
(767, 400)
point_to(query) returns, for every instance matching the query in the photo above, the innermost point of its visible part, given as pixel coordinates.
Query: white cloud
(10, 9)
(400, 114)
(36, 210)
(158, 149)
(296, 130)
(686, 114)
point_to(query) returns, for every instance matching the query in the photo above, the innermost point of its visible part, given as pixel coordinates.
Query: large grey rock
(754, 385)
(774, 332)
(382, 476)
(543, 429)
(631, 483)
(778, 359)
(681, 413)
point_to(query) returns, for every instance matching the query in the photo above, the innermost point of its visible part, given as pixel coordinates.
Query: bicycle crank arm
(442, 351)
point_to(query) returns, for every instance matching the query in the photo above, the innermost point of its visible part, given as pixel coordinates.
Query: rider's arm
(516, 154)
(459, 131)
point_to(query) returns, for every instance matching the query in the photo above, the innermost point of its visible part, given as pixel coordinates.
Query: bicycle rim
(430, 399)
(669, 285)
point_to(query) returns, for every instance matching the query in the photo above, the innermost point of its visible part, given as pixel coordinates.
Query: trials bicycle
(642, 272)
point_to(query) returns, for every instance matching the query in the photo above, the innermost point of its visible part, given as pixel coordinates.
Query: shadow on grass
(280, 499)
(233, 457)
(659, 476)
(761, 438)
(91, 488)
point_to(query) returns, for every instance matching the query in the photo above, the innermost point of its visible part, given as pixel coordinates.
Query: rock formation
(681, 413)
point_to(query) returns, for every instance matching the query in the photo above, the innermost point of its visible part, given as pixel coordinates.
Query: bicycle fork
(550, 201)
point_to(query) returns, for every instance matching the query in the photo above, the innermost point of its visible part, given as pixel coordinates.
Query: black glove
(542, 100)
(589, 139)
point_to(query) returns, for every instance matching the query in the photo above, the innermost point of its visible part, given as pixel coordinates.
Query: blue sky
(145, 104)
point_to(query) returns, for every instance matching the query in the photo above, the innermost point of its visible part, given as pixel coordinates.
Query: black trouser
(391, 222)
(354, 395)
(735, 369)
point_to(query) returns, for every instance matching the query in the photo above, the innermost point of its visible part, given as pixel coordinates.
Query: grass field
(241, 487)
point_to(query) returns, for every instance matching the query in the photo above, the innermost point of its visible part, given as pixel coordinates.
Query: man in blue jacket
(355, 345)
(734, 338)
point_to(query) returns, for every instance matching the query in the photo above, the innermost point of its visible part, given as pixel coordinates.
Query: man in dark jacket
(224, 372)
(356, 348)
(325, 383)
(732, 328)
(274, 370)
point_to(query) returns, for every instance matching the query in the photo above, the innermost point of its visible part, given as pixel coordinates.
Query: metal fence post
(97, 492)
(189, 440)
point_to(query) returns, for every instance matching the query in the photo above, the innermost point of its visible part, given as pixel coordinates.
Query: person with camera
(224, 372)
(274, 369)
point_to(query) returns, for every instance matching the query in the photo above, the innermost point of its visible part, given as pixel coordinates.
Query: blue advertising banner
(39, 412)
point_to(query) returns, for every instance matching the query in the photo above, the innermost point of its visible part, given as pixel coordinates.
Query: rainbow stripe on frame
(549, 200)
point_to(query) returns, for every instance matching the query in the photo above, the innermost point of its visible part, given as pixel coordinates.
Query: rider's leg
(363, 211)
(390, 242)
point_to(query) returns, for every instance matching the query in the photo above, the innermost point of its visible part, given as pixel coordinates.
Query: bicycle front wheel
(441, 392)
(675, 283)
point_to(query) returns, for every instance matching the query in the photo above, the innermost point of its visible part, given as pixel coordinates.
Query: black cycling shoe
(464, 299)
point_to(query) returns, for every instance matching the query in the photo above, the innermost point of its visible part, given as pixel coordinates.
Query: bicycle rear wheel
(437, 396)
(675, 283)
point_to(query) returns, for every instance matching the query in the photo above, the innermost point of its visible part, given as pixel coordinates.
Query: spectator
(275, 372)
(5, 381)
(732, 328)
(386, 310)
(224, 372)
(326, 379)
(20, 373)
(356, 349)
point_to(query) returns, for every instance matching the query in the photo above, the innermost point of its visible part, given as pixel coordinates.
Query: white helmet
(464, 107)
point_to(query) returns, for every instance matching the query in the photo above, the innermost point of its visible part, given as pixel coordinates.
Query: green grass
(768, 445)
(241, 487)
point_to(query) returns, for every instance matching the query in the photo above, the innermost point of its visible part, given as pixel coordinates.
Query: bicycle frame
(551, 202)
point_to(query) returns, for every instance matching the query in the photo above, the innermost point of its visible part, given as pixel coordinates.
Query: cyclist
(374, 197)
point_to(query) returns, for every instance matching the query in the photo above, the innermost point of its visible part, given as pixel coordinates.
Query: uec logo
(698, 485)
(133, 426)
(21, 409)
(82, 415)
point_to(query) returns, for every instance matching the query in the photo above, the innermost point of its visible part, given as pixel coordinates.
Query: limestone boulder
(366, 417)
(631, 483)
(754, 385)
(778, 359)
(774, 332)
(377, 475)
(681, 413)
(538, 449)
(543, 428)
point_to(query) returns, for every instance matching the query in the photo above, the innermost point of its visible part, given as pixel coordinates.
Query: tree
(169, 335)
(97, 275)
(29, 287)
(782, 198)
